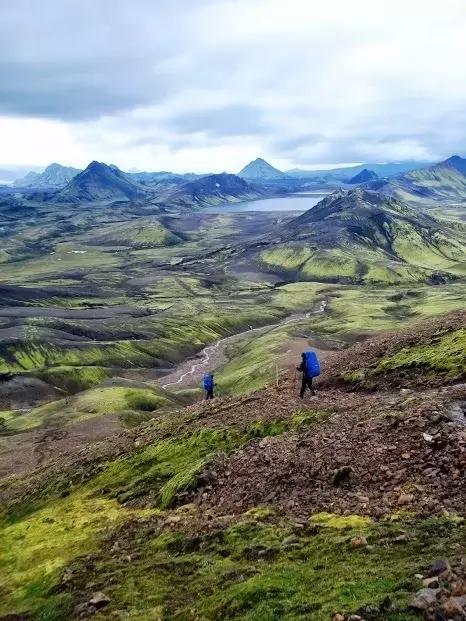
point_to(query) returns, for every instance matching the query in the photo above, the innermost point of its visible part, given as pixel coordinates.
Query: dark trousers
(209, 393)
(306, 383)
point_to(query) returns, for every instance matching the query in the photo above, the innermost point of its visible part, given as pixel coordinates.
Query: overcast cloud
(199, 85)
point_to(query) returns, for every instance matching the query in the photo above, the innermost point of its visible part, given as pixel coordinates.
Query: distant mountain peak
(53, 176)
(364, 176)
(456, 162)
(100, 182)
(259, 170)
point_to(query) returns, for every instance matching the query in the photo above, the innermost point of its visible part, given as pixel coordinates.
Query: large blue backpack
(312, 364)
(208, 381)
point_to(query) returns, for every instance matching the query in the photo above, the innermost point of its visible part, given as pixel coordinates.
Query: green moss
(253, 362)
(74, 379)
(162, 470)
(248, 571)
(260, 513)
(444, 354)
(340, 522)
(88, 404)
(353, 377)
(34, 549)
(143, 233)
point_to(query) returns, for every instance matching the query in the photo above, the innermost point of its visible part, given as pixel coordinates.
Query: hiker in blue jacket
(310, 368)
(209, 386)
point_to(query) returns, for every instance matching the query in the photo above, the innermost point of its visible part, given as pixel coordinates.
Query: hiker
(209, 386)
(310, 368)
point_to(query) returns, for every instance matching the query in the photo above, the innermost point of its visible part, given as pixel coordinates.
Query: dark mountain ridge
(212, 190)
(363, 177)
(100, 182)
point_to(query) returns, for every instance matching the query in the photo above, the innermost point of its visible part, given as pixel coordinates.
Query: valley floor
(124, 496)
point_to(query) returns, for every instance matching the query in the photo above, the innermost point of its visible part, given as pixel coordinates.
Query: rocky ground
(371, 455)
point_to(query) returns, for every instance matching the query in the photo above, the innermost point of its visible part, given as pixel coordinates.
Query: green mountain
(363, 236)
(443, 181)
(260, 170)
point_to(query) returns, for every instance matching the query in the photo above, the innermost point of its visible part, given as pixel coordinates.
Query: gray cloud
(178, 83)
(234, 120)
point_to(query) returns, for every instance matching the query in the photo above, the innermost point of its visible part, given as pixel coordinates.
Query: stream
(215, 354)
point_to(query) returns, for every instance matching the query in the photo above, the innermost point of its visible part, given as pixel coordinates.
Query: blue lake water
(294, 202)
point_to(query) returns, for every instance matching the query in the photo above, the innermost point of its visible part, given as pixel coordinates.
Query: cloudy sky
(209, 85)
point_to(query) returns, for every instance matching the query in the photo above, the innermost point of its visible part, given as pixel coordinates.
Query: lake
(294, 202)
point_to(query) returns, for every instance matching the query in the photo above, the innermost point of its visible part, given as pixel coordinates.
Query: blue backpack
(208, 381)
(312, 364)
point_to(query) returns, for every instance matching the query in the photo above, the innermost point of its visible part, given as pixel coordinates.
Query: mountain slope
(162, 177)
(445, 180)
(389, 169)
(54, 176)
(258, 507)
(260, 170)
(363, 236)
(211, 190)
(99, 182)
(364, 176)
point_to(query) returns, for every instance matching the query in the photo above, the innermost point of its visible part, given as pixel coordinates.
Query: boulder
(424, 599)
(405, 499)
(99, 600)
(359, 542)
(438, 567)
(455, 606)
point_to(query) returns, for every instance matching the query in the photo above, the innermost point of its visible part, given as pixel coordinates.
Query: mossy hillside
(162, 470)
(147, 470)
(394, 274)
(372, 266)
(193, 322)
(368, 309)
(249, 570)
(34, 550)
(168, 338)
(439, 252)
(253, 362)
(144, 233)
(89, 404)
(65, 257)
(410, 251)
(446, 354)
(287, 257)
(38, 356)
(68, 517)
(443, 356)
(73, 379)
(324, 266)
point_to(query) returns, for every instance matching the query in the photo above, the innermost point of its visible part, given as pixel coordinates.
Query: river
(190, 372)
